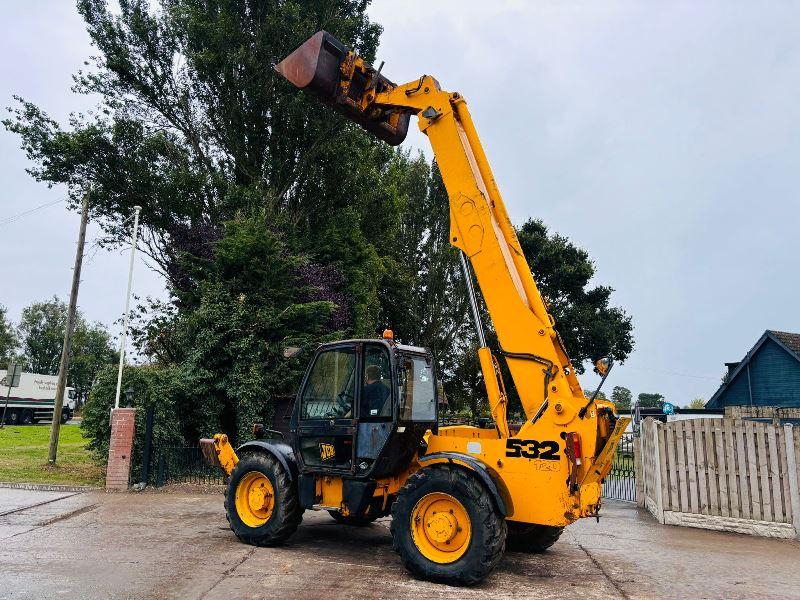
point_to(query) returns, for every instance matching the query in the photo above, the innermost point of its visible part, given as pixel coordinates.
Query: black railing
(183, 465)
(621, 481)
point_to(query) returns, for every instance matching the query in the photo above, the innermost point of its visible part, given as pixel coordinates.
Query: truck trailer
(33, 400)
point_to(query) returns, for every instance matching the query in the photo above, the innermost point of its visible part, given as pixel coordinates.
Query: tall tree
(424, 298)
(8, 338)
(590, 327)
(195, 126)
(41, 331)
(651, 400)
(622, 397)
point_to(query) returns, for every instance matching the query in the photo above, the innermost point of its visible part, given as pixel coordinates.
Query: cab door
(326, 425)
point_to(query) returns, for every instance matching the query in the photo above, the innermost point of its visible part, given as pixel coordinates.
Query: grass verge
(23, 457)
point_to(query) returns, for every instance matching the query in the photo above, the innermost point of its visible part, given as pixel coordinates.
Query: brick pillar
(123, 426)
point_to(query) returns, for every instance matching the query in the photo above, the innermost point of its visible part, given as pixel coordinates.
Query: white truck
(33, 400)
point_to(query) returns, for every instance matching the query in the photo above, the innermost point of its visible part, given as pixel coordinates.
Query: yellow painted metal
(605, 459)
(219, 452)
(440, 527)
(255, 499)
(329, 493)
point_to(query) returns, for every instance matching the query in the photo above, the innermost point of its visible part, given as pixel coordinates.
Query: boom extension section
(479, 223)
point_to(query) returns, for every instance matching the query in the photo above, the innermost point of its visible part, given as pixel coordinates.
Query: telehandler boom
(364, 436)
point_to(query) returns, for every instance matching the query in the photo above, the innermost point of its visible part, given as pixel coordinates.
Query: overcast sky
(662, 137)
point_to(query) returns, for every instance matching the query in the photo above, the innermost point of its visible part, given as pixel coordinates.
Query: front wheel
(446, 528)
(66, 415)
(261, 502)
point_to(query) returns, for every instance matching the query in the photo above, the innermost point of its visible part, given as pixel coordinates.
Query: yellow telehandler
(365, 442)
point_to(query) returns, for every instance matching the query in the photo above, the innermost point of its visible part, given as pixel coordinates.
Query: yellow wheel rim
(441, 528)
(255, 499)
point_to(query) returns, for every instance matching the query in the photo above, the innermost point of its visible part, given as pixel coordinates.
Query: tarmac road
(178, 545)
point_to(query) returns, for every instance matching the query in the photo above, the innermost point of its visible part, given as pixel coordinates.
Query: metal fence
(183, 465)
(621, 481)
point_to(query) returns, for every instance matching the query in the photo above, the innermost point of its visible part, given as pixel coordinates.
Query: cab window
(330, 388)
(417, 390)
(376, 390)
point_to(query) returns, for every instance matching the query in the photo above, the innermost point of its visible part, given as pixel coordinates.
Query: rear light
(574, 448)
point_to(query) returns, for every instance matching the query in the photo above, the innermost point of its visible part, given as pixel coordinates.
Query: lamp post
(134, 235)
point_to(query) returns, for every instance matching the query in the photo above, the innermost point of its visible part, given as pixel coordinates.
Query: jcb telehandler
(364, 436)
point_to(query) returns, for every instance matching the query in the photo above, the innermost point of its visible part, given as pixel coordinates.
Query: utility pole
(134, 235)
(55, 430)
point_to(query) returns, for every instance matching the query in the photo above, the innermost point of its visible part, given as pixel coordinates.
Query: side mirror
(603, 366)
(291, 352)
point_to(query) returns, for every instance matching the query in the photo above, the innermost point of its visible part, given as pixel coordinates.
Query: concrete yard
(178, 545)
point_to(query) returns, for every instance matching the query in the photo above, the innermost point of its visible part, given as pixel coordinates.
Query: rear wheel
(261, 502)
(524, 537)
(446, 528)
(27, 417)
(12, 416)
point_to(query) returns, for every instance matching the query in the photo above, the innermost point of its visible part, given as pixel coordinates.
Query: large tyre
(524, 537)
(12, 416)
(66, 415)
(446, 528)
(261, 502)
(355, 521)
(27, 417)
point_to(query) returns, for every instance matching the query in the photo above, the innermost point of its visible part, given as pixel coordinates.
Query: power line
(12, 218)
(663, 372)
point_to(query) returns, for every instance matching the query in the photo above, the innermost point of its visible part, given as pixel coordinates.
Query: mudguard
(492, 484)
(280, 450)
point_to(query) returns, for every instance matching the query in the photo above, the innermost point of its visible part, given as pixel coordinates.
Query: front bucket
(316, 67)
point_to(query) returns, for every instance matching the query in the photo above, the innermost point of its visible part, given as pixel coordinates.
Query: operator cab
(363, 408)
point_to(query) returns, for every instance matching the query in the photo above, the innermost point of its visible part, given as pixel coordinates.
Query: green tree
(590, 327)
(196, 126)
(424, 299)
(41, 330)
(648, 400)
(697, 403)
(254, 298)
(622, 397)
(91, 352)
(8, 338)
(588, 394)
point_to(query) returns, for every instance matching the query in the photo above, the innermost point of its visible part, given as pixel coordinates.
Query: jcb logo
(327, 451)
(546, 450)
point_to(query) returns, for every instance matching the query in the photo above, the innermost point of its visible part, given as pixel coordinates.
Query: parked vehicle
(33, 400)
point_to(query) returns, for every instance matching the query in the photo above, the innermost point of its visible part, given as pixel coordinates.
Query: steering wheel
(344, 404)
